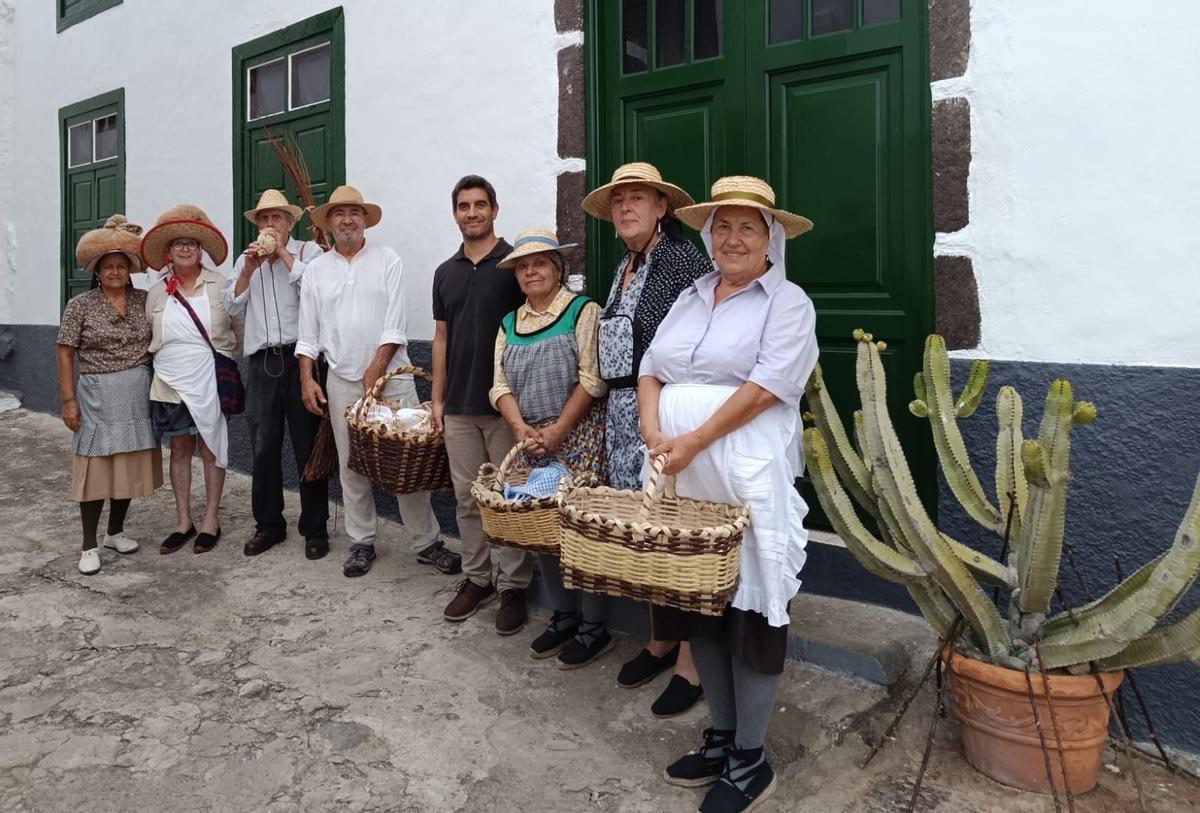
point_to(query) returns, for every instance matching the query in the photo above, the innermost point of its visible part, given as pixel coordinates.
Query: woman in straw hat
(189, 323)
(719, 392)
(546, 383)
(659, 262)
(105, 334)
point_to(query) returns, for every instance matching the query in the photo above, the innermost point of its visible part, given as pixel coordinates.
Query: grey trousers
(592, 607)
(471, 441)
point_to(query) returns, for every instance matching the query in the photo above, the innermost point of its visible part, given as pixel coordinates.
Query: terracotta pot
(1001, 739)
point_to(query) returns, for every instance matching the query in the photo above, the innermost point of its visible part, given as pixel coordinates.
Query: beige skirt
(120, 476)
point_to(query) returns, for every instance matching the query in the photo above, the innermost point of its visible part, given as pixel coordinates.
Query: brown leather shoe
(513, 613)
(470, 598)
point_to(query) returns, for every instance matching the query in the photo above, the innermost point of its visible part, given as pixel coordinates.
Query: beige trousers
(362, 522)
(471, 441)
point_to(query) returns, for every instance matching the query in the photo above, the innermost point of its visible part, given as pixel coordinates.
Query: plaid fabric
(230, 390)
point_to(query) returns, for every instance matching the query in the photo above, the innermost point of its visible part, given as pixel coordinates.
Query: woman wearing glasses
(189, 323)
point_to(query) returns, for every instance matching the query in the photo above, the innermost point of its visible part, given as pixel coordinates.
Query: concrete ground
(221, 683)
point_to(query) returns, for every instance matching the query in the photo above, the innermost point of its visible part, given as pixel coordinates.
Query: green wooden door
(92, 136)
(289, 86)
(829, 101)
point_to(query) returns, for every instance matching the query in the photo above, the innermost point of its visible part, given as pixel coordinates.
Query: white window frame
(71, 163)
(287, 78)
(95, 129)
(291, 57)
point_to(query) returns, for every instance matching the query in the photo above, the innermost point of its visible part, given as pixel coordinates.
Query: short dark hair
(473, 182)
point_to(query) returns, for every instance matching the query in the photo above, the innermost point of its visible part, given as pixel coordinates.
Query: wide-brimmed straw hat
(534, 241)
(598, 203)
(273, 199)
(116, 236)
(345, 196)
(184, 220)
(744, 190)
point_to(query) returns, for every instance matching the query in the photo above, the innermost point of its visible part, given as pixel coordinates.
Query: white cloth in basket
(755, 465)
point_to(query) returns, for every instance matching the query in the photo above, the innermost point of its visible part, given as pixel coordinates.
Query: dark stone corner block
(951, 164)
(572, 127)
(571, 221)
(568, 15)
(949, 38)
(957, 302)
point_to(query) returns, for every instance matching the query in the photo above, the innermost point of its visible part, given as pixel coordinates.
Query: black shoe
(703, 767)
(441, 557)
(206, 542)
(359, 561)
(562, 629)
(176, 540)
(262, 541)
(315, 547)
(748, 779)
(645, 668)
(678, 697)
(592, 641)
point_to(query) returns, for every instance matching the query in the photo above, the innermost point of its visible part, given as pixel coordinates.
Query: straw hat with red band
(273, 199)
(117, 236)
(345, 196)
(182, 221)
(598, 203)
(744, 190)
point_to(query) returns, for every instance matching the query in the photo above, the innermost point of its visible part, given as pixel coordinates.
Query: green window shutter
(71, 12)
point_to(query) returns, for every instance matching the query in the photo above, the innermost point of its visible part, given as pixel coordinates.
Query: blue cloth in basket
(542, 482)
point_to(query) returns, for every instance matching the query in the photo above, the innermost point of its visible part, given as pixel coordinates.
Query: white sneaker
(89, 562)
(120, 543)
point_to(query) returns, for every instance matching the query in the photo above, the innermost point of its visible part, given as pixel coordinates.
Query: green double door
(828, 100)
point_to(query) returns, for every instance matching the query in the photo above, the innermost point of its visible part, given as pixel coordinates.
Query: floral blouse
(107, 342)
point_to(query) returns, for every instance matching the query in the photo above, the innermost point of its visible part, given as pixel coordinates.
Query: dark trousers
(273, 395)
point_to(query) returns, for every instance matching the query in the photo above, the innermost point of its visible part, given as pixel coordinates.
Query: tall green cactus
(898, 541)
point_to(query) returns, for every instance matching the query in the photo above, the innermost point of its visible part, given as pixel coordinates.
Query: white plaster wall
(433, 91)
(1085, 183)
(7, 130)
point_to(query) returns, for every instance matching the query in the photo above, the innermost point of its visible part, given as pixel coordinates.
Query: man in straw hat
(471, 295)
(352, 311)
(265, 288)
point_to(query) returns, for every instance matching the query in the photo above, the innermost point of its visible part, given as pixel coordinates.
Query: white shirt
(349, 308)
(271, 302)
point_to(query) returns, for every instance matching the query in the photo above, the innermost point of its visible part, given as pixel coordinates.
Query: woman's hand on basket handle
(680, 450)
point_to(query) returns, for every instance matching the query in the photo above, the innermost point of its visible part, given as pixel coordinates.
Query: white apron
(185, 362)
(755, 465)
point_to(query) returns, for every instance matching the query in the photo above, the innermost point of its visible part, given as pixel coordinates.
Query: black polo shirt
(472, 299)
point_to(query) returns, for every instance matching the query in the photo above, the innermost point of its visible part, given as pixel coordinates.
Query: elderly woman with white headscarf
(719, 392)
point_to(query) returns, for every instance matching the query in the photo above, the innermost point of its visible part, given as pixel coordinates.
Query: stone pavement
(221, 683)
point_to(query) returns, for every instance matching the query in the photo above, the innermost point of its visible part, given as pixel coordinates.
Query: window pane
(787, 20)
(830, 15)
(268, 89)
(880, 11)
(80, 139)
(709, 36)
(106, 137)
(633, 38)
(310, 76)
(668, 32)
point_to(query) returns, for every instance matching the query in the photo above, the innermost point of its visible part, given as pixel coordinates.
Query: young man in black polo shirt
(470, 297)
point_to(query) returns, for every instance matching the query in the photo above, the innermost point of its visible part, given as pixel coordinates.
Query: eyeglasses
(185, 244)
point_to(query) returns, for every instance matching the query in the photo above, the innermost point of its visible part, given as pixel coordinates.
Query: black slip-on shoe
(206, 542)
(678, 697)
(176, 540)
(645, 667)
(263, 541)
(316, 547)
(704, 766)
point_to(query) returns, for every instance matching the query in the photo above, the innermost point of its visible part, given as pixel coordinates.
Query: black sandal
(562, 629)
(176, 540)
(592, 641)
(206, 542)
(645, 668)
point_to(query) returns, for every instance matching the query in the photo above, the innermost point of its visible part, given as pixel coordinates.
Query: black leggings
(90, 512)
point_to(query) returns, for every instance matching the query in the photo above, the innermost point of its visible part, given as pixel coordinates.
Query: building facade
(1018, 177)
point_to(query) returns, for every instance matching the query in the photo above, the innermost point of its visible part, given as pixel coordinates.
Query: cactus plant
(867, 491)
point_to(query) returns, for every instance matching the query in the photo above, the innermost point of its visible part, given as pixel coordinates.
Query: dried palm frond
(292, 161)
(323, 462)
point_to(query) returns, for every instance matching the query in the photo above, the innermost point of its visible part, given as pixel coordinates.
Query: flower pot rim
(1061, 685)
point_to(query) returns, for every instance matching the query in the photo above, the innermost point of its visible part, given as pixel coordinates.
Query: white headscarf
(776, 243)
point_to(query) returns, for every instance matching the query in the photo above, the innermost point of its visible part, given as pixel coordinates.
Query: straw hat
(184, 220)
(273, 199)
(534, 241)
(117, 236)
(345, 196)
(744, 190)
(598, 202)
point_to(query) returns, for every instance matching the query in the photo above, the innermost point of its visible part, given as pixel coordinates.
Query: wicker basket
(530, 525)
(401, 462)
(668, 550)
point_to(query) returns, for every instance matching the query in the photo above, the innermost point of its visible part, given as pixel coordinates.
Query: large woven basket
(401, 462)
(668, 550)
(530, 525)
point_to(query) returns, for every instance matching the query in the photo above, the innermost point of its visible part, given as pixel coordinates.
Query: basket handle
(368, 400)
(507, 463)
(650, 492)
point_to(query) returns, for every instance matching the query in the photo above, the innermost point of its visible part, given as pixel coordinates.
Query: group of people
(699, 358)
